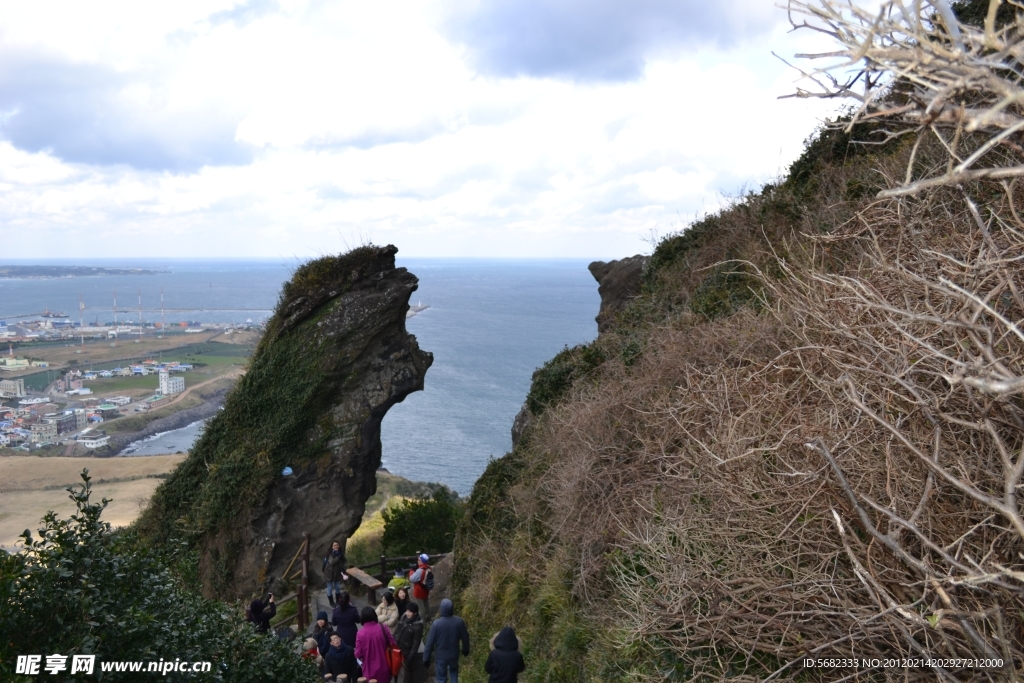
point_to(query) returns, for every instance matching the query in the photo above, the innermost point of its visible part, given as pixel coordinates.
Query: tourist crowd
(392, 643)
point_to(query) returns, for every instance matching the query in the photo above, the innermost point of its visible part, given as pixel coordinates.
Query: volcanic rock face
(618, 282)
(335, 357)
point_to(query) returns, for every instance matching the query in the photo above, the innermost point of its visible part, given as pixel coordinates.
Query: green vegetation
(79, 588)
(366, 545)
(421, 525)
(275, 416)
(552, 381)
(664, 466)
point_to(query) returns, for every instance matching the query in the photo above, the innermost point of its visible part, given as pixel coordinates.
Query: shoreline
(183, 418)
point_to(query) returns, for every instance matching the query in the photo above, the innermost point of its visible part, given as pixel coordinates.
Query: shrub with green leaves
(81, 588)
(553, 380)
(422, 525)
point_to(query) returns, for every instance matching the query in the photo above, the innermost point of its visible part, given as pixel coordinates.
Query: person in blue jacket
(446, 633)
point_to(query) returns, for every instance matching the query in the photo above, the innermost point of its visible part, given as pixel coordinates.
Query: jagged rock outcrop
(618, 283)
(523, 420)
(335, 357)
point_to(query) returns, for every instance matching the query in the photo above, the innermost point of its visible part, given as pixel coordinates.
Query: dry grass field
(30, 486)
(58, 356)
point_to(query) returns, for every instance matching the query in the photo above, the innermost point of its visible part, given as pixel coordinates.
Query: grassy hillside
(802, 439)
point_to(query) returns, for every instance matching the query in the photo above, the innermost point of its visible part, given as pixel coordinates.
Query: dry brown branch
(920, 70)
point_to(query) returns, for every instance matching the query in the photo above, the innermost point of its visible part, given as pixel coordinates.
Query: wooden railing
(372, 576)
(402, 561)
(302, 594)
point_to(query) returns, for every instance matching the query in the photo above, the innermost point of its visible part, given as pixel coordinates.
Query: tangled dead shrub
(840, 478)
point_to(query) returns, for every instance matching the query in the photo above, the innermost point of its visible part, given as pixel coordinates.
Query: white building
(92, 440)
(12, 388)
(171, 385)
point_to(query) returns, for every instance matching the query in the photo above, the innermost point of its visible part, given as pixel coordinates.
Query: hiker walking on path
(334, 571)
(505, 662)
(409, 635)
(446, 633)
(371, 646)
(422, 580)
(346, 619)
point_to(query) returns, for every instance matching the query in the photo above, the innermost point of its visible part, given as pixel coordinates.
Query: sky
(463, 128)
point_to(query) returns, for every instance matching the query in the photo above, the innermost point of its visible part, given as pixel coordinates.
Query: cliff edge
(335, 357)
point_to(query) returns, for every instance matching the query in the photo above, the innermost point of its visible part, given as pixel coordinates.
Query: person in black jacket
(346, 620)
(408, 635)
(340, 659)
(334, 571)
(322, 631)
(446, 633)
(261, 614)
(505, 661)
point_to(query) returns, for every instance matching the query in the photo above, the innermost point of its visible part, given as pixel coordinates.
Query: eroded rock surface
(618, 283)
(335, 357)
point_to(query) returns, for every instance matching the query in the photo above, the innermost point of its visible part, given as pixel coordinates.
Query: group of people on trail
(385, 643)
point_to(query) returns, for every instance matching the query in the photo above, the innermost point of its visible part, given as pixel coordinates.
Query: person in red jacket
(422, 579)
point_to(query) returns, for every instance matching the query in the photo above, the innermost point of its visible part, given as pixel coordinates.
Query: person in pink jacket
(371, 646)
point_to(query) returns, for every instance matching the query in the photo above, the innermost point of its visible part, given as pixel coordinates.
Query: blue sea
(490, 324)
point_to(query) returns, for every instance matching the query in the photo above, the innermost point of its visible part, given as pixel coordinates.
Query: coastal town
(62, 383)
(70, 412)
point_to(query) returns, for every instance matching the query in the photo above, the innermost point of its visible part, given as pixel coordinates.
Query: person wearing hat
(409, 635)
(422, 580)
(322, 631)
(399, 581)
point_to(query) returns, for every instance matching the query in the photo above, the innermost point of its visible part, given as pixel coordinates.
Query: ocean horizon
(490, 323)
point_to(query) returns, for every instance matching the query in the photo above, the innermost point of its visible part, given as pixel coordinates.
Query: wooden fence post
(303, 597)
(383, 569)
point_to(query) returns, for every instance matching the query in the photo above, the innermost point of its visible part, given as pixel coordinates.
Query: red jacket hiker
(418, 578)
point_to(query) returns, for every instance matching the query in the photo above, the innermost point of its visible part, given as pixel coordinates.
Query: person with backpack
(334, 571)
(505, 662)
(446, 633)
(409, 636)
(422, 580)
(372, 643)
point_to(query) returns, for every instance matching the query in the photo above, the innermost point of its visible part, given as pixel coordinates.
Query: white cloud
(280, 129)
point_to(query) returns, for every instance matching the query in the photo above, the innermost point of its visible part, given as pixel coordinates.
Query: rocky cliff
(335, 357)
(618, 283)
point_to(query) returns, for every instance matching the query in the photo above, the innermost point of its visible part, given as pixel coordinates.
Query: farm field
(30, 486)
